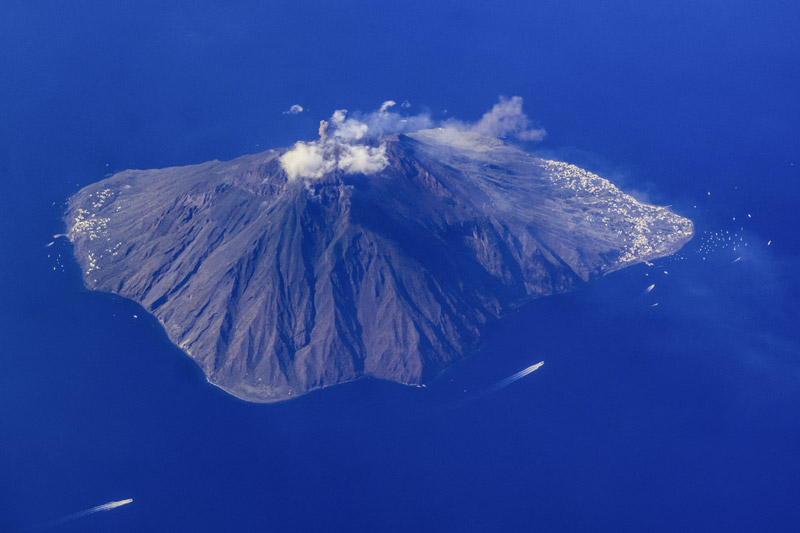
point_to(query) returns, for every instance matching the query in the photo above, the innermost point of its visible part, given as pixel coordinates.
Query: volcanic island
(387, 261)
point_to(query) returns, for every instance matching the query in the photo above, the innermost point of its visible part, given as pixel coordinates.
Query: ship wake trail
(644, 293)
(499, 385)
(81, 514)
(509, 380)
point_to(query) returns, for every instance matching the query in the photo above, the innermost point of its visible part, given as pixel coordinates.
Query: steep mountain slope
(277, 286)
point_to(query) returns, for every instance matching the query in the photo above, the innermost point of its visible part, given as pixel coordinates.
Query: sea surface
(680, 416)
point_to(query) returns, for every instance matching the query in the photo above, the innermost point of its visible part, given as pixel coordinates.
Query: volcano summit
(288, 271)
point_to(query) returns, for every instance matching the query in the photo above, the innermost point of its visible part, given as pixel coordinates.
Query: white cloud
(306, 160)
(345, 145)
(386, 105)
(361, 159)
(406, 104)
(317, 158)
(296, 109)
(341, 146)
(386, 122)
(347, 129)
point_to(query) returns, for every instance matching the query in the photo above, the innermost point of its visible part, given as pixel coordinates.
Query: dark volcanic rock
(276, 287)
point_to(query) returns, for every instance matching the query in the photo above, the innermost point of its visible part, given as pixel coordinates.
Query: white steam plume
(347, 143)
(306, 160)
(361, 159)
(505, 119)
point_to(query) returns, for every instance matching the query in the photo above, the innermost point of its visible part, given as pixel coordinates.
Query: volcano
(277, 285)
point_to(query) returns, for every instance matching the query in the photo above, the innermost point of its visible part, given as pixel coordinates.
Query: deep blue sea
(683, 416)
